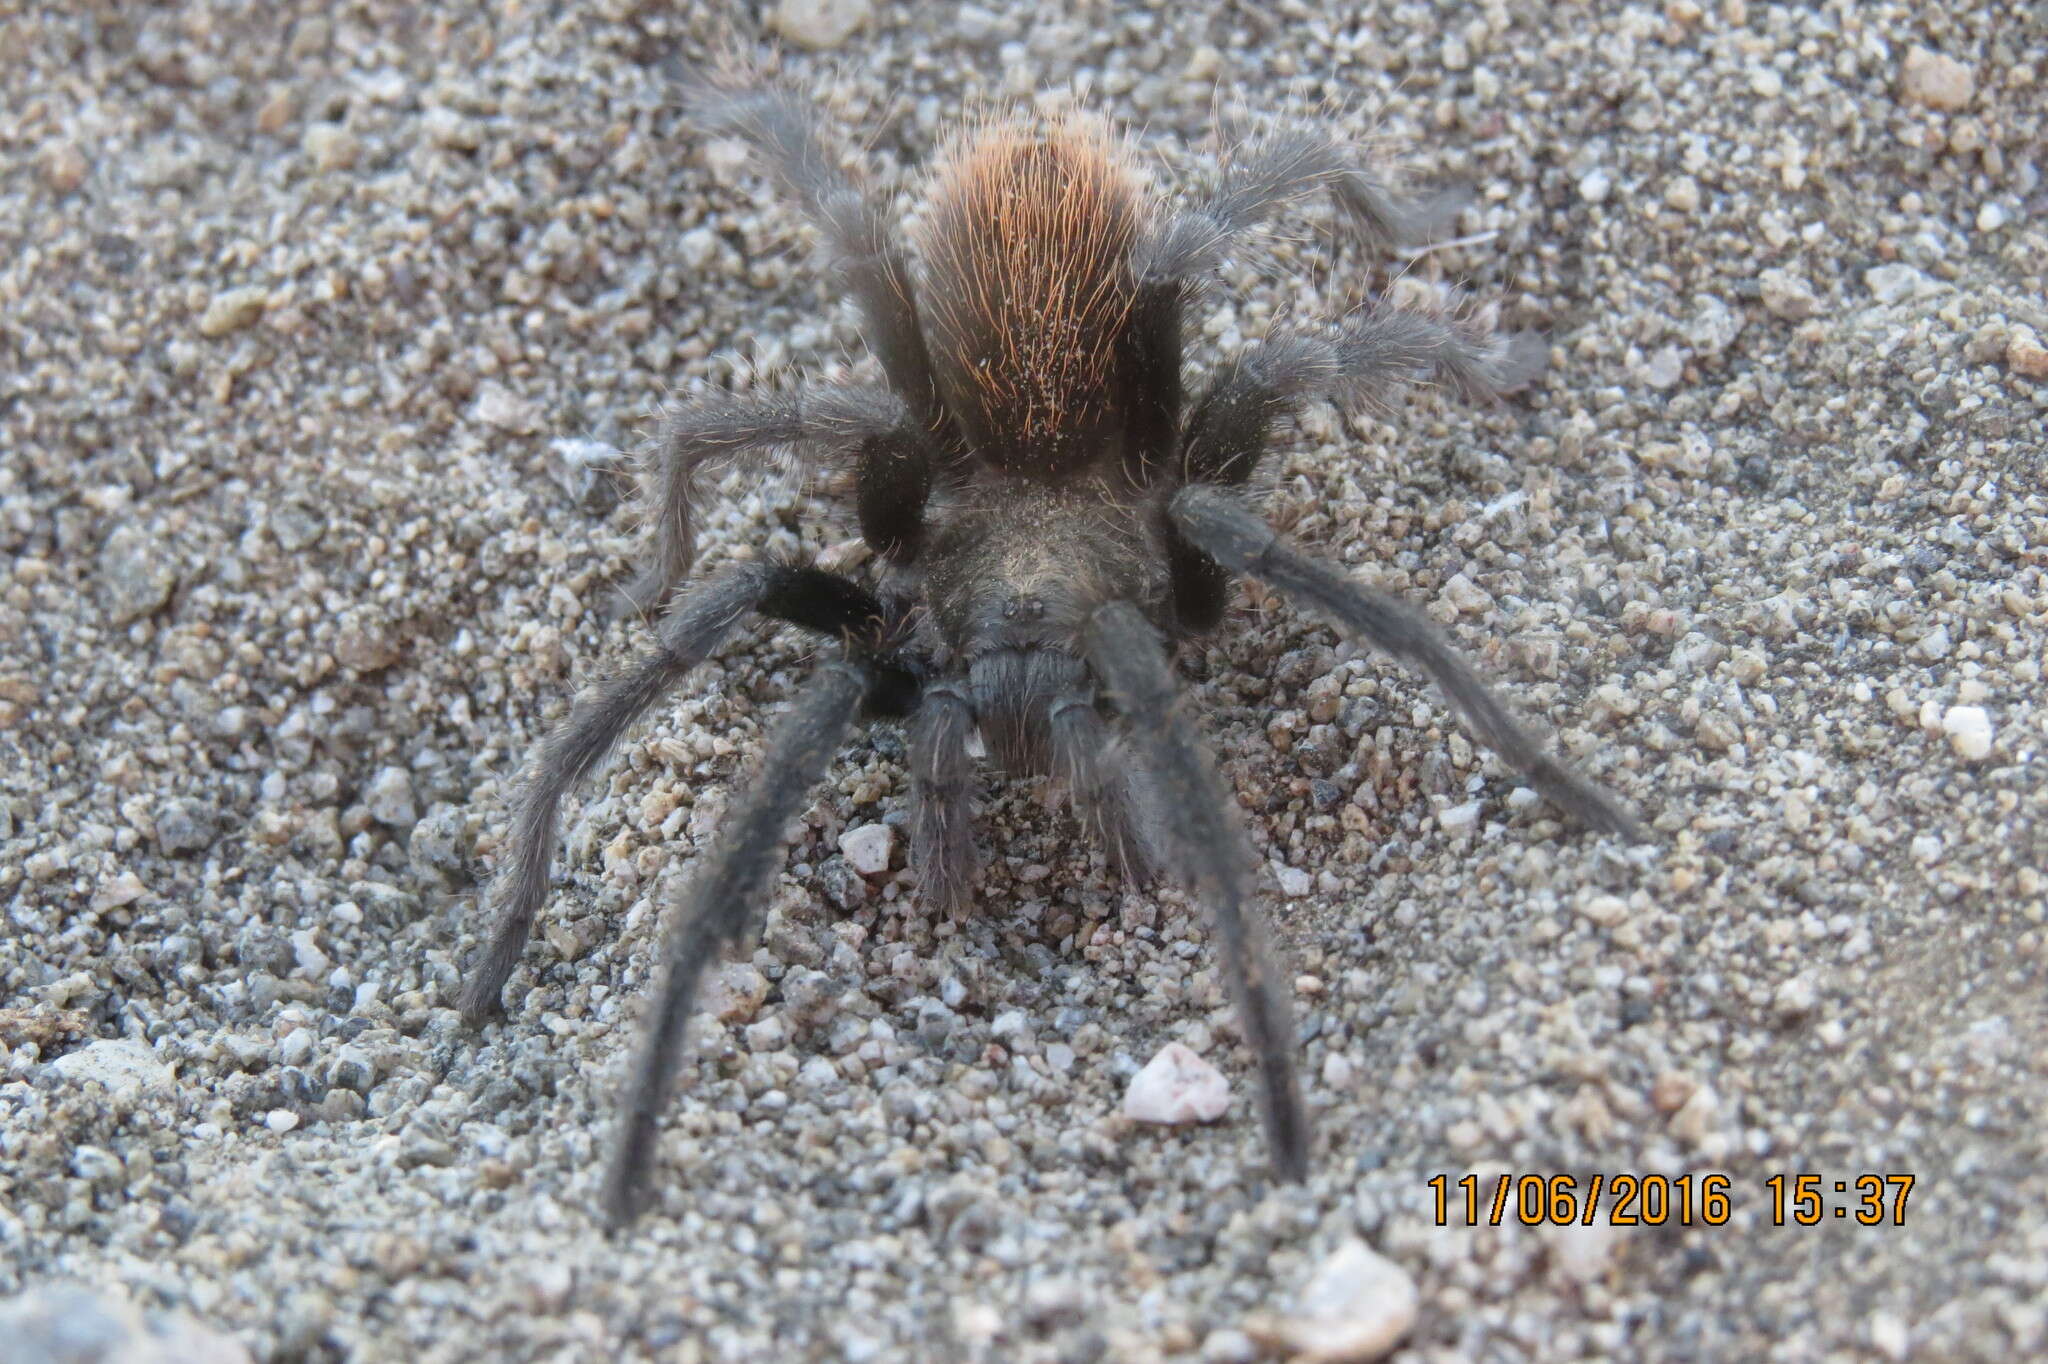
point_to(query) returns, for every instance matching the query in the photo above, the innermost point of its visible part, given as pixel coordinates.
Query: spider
(1049, 515)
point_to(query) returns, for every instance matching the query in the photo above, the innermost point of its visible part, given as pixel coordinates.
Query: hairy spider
(1049, 515)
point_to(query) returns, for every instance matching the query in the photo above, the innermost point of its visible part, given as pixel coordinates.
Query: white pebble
(1935, 80)
(1338, 1072)
(1459, 817)
(1594, 187)
(1795, 998)
(867, 848)
(819, 24)
(118, 1063)
(1177, 1087)
(295, 1048)
(1294, 882)
(1969, 731)
(306, 948)
(1605, 910)
(280, 1120)
(389, 798)
(1356, 1307)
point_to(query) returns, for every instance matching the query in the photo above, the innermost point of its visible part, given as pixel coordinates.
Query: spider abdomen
(1027, 290)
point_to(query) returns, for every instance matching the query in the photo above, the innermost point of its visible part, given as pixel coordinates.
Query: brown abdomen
(1027, 289)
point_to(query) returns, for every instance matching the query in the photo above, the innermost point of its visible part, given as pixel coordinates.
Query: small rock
(296, 526)
(1595, 186)
(1670, 1091)
(1935, 644)
(497, 405)
(1467, 596)
(64, 167)
(734, 992)
(1228, 1345)
(365, 643)
(1581, 1253)
(843, 885)
(1605, 910)
(770, 1034)
(118, 1063)
(136, 574)
(1969, 731)
(819, 24)
(389, 798)
(1664, 368)
(295, 1048)
(1896, 282)
(313, 963)
(1356, 1307)
(1795, 999)
(1458, 818)
(1787, 295)
(1716, 733)
(1889, 1336)
(233, 310)
(62, 1322)
(1177, 1087)
(1294, 882)
(1938, 82)
(440, 842)
(589, 472)
(2025, 355)
(868, 847)
(280, 1120)
(1713, 325)
(1339, 1072)
(447, 129)
(183, 826)
(117, 891)
(1697, 1117)
(331, 146)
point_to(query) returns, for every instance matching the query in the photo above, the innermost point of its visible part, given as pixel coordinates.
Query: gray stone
(137, 574)
(184, 826)
(389, 798)
(66, 1324)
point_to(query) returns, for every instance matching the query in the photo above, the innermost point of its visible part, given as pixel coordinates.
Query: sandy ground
(312, 322)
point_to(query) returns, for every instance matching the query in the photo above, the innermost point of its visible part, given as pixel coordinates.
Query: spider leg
(1126, 653)
(720, 904)
(1223, 527)
(717, 429)
(686, 636)
(941, 796)
(1177, 257)
(1090, 760)
(1362, 363)
(782, 127)
(1272, 171)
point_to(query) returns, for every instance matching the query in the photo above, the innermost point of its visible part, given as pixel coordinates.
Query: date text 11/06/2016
(1655, 1200)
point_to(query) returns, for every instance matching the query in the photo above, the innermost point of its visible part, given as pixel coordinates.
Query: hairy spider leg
(700, 437)
(1196, 817)
(800, 595)
(1220, 525)
(720, 904)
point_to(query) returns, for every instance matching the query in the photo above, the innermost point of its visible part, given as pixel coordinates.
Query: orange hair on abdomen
(1027, 288)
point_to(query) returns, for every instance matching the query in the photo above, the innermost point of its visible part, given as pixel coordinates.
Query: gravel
(301, 306)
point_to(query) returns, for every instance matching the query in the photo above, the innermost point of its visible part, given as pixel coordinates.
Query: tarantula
(1049, 515)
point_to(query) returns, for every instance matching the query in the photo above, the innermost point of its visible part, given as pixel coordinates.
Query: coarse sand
(321, 329)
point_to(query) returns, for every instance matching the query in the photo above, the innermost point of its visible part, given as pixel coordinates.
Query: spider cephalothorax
(1047, 513)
